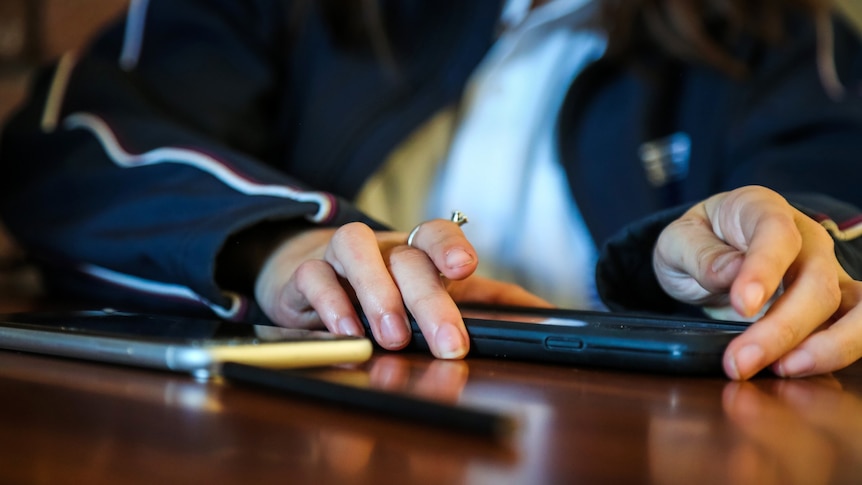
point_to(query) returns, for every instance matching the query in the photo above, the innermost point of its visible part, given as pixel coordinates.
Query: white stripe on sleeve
(198, 160)
(165, 290)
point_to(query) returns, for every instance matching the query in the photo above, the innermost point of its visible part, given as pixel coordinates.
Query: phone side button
(564, 343)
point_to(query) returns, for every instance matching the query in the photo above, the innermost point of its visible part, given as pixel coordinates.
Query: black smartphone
(639, 342)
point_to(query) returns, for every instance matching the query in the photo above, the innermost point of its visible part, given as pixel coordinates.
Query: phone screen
(160, 328)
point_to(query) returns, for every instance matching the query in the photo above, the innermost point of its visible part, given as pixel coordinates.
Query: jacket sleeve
(787, 134)
(134, 162)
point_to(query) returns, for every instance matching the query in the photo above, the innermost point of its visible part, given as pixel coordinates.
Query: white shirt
(503, 169)
(496, 159)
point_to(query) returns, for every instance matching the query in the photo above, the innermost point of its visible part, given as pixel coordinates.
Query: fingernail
(457, 258)
(394, 330)
(797, 363)
(747, 361)
(450, 342)
(752, 298)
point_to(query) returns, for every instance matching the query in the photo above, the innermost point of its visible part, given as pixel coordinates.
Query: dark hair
(700, 30)
(689, 30)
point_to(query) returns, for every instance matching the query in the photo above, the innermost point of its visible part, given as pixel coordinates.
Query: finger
(312, 296)
(811, 297)
(429, 302)
(478, 289)
(833, 348)
(354, 253)
(763, 225)
(314, 293)
(448, 248)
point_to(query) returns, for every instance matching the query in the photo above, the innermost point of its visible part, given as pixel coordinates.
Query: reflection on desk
(64, 421)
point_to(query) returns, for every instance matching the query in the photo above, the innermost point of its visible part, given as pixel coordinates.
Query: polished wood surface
(66, 421)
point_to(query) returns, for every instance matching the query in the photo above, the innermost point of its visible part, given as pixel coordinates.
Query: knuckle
(824, 240)
(832, 295)
(350, 232)
(437, 234)
(787, 335)
(683, 225)
(407, 255)
(817, 232)
(794, 238)
(826, 285)
(425, 301)
(308, 270)
(790, 231)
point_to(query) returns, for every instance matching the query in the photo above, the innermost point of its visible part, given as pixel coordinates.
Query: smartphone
(627, 341)
(181, 344)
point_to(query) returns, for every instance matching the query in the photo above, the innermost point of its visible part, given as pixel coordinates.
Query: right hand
(316, 277)
(736, 248)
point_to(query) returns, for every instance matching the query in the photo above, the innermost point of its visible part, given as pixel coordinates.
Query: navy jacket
(125, 178)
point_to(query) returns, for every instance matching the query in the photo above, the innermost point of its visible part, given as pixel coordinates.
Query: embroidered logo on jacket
(666, 159)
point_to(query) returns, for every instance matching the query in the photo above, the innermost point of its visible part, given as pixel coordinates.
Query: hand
(317, 277)
(735, 249)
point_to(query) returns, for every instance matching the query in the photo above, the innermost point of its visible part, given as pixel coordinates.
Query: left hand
(736, 248)
(317, 276)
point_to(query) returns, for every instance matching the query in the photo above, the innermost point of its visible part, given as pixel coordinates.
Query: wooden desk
(63, 421)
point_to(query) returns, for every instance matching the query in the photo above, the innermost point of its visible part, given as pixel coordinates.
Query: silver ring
(457, 217)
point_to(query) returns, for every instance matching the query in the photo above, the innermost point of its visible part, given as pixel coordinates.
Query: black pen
(457, 418)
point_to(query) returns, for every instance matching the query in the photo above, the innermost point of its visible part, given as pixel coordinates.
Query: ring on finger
(457, 217)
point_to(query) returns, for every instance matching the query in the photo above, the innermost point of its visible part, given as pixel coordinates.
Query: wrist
(244, 253)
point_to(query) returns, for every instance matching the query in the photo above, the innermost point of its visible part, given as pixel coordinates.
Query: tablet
(584, 338)
(197, 346)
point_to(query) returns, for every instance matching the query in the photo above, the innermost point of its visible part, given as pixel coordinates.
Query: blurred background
(32, 33)
(36, 32)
